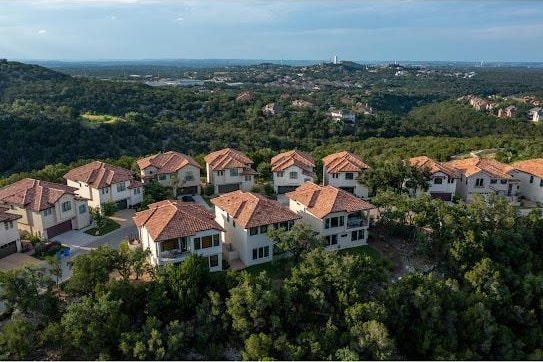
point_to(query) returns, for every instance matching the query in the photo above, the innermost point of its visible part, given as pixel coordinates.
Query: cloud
(42, 31)
(112, 17)
(180, 19)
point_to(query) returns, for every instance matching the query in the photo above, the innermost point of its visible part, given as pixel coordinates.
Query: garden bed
(109, 226)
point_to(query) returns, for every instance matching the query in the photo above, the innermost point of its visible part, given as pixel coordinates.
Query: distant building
(480, 104)
(443, 179)
(291, 169)
(363, 108)
(343, 115)
(271, 109)
(245, 96)
(229, 170)
(9, 233)
(507, 112)
(535, 114)
(300, 103)
(342, 170)
(531, 178)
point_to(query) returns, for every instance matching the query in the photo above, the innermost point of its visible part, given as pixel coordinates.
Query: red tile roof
(297, 158)
(34, 194)
(227, 158)
(249, 209)
(171, 219)
(324, 200)
(167, 162)
(344, 162)
(99, 174)
(532, 167)
(471, 166)
(434, 166)
(6, 216)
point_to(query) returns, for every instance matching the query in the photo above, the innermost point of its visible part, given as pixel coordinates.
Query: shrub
(209, 189)
(109, 208)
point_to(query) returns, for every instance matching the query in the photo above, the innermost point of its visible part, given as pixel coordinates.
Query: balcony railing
(356, 223)
(174, 254)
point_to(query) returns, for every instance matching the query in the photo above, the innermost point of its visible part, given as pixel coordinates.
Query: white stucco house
(99, 183)
(530, 174)
(172, 169)
(46, 209)
(291, 169)
(341, 218)
(229, 170)
(480, 176)
(173, 230)
(246, 218)
(10, 240)
(443, 179)
(342, 170)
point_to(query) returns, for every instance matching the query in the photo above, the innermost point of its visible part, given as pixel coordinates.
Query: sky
(465, 30)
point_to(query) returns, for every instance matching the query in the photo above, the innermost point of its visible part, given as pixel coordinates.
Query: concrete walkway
(200, 201)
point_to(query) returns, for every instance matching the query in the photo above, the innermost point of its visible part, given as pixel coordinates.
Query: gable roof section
(344, 162)
(324, 200)
(532, 167)
(227, 158)
(99, 174)
(167, 162)
(249, 209)
(171, 219)
(297, 158)
(6, 216)
(471, 166)
(34, 194)
(433, 166)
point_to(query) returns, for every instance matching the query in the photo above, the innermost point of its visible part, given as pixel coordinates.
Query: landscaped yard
(109, 226)
(92, 120)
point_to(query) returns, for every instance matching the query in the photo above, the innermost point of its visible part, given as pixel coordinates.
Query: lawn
(109, 226)
(93, 120)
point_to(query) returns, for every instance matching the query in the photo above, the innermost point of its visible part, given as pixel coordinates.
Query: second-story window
(247, 177)
(531, 179)
(279, 174)
(82, 209)
(121, 187)
(220, 173)
(189, 176)
(253, 231)
(234, 172)
(503, 182)
(438, 181)
(66, 206)
(137, 190)
(47, 212)
(293, 175)
(479, 182)
(162, 177)
(541, 183)
(335, 175)
(450, 180)
(334, 222)
(349, 176)
(105, 190)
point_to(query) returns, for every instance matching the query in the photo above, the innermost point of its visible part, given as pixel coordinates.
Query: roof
(171, 219)
(34, 194)
(249, 209)
(167, 162)
(325, 200)
(284, 160)
(433, 166)
(471, 166)
(227, 158)
(532, 167)
(344, 162)
(99, 174)
(6, 216)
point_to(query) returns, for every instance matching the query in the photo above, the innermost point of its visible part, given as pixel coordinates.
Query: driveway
(200, 201)
(75, 238)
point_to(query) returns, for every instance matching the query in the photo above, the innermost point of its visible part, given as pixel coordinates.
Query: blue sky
(354, 30)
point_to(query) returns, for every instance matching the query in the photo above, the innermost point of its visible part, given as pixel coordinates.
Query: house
(443, 179)
(229, 170)
(291, 169)
(531, 178)
(172, 169)
(341, 218)
(245, 96)
(342, 170)
(9, 233)
(271, 109)
(485, 176)
(300, 103)
(173, 230)
(46, 209)
(246, 218)
(102, 183)
(507, 112)
(479, 103)
(535, 114)
(363, 108)
(343, 115)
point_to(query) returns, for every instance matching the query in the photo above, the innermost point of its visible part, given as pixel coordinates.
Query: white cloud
(112, 17)
(180, 19)
(42, 31)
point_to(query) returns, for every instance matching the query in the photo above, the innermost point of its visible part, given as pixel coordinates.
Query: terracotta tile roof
(171, 219)
(301, 159)
(249, 209)
(532, 167)
(433, 166)
(99, 174)
(6, 216)
(227, 158)
(167, 162)
(34, 194)
(324, 200)
(343, 162)
(471, 166)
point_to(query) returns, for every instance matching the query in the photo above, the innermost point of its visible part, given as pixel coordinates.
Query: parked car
(187, 198)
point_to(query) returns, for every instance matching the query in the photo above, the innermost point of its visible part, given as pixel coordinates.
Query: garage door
(122, 205)
(59, 229)
(445, 196)
(189, 190)
(8, 249)
(285, 189)
(228, 188)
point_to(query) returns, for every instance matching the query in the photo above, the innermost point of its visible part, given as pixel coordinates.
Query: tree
(91, 269)
(109, 208)
(98, 217)
(132, 261)
(396, 175)
(298, 241)
(258, 347)
(264, 170)
(18, 339)
(55, 267)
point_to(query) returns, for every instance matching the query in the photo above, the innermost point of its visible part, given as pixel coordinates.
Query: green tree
(91, 269)
(299, 240)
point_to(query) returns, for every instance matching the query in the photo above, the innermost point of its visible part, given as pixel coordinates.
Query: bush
(209, 189)
(109, 208)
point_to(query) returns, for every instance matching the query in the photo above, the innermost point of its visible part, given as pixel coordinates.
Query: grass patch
(100, 118)
(109, 226)
(276, 269)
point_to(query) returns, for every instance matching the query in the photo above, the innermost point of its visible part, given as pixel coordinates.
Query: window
(233, 223)
(170, 244)
(66, 206)
(253, 231)
(493, 181)
(531, 179)
(6, 225)
(279, 174)
(227, 217)
(216, 240)
(349, 176)
(82, 209)
(450, 180)
(213, 261)
(234, 172)
(479, 182)
(189, 176)
(293, 175)
(262, 252)
(335, 175)
(47, 212)
(357, 235)
(503, 182)
(137, 191)
(205, 242)
(264, 229)
(247, 177)
(331, 240)
(541, 183)
(334, 222)
(105, 190)
(162, 177)
(220, 173)
(438, 181)
(121, 187)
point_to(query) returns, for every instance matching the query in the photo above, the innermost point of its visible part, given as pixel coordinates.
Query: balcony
(353, 223)
(174, 255)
